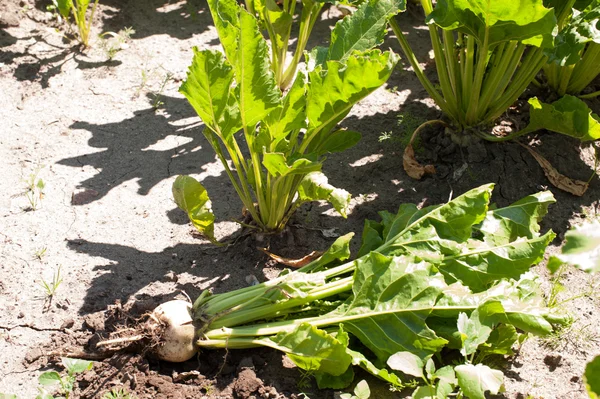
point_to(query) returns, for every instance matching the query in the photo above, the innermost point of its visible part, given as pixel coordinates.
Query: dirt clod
(246, 384)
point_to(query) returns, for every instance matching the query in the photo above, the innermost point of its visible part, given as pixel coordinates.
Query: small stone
(68, 323)
(21, 315)
(33, 355)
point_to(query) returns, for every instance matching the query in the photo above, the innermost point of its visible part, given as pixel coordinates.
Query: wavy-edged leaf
(526, 21)
(256, 90)
(207, 88)
(517, 303)
(372, 237)
(434, 231)
(226, 17)
(358, 359)
(389, 306)
(500, 341)
(364, 29)
(315, 186)
(333, 91)
(291, 114)
(581, 249)
(281, 22)
(75, 366)
(475, 380)
(277, 165)
(192, 197)
(520, 219)
(572, 40)
(313, 349)
(479, 264)
(328, 381)
(569, 116)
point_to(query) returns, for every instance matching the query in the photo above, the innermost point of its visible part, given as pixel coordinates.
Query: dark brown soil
(108, 157)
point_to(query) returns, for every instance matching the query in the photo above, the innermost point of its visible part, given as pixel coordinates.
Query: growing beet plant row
(434, 292)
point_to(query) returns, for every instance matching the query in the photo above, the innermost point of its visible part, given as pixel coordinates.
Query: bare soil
(108, 136)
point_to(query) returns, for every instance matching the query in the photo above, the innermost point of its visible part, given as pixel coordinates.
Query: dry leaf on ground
(573, 186)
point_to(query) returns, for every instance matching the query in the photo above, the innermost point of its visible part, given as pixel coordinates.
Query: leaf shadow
(132, 148)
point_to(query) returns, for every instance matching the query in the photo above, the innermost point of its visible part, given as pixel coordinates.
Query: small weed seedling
(157, 102)
(73, 367)
(112, 42)
(40, 253)
(118, 393)
(34, 191)
(50, 287)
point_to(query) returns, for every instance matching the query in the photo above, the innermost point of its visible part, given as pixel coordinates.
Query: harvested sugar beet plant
(486, 54)
(442, 278)
(288, 134)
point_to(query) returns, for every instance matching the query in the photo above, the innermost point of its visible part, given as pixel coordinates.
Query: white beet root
(178, 332)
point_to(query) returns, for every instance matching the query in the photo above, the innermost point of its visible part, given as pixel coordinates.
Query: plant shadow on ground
(180, 20)
(42, 66)
(125, 144)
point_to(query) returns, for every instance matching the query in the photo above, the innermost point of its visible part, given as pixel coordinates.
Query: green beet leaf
(342, 381)
(479, 264)
(572, 40)
(581, 249)
(333, 91)
(313, 349)
(256, 91)
(358, 359)
(520, 219)
(527, 21)
(49, 378)
(364, 29)
(207, 88)
(569, 116)
(75, 366)
(500, 341)
(592, 378)
(475, 380)
(338, 141)
(408, 363)
(277, 165)
(315, 186)
(388, 308)
(64, 7)
(192, 197)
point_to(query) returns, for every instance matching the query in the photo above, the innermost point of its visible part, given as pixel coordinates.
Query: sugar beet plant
(574, 62)
(278, 18)
(447, 277)
(486, 52)
(286, 135)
